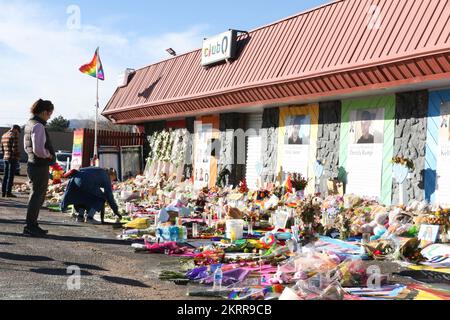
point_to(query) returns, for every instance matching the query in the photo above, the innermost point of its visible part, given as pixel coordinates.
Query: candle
(250, 228)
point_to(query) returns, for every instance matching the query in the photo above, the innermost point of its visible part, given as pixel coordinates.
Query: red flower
(377, 252)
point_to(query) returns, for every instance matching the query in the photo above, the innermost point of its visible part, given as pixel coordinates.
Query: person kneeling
(88, 191)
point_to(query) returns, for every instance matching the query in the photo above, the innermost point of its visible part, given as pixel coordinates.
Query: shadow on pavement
(85, 266)
(6, 244)
(70, 238)
(58, 272)
(20, 257)
(16, 205)
(125, 281)
(44, 223)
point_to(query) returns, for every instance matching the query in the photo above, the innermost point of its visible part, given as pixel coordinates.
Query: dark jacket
(10, 146)
(91, 188)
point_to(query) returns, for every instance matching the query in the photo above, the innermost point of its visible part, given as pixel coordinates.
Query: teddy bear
(421, 218)
(233, 213)
(399, 222)
(377, 226)
(279, 277)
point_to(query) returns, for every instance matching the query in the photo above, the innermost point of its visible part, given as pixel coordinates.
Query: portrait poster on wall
(443, 158)
(296, 144)
(365, 152)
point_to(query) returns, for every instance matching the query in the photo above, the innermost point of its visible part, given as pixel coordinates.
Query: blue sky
(42, 45)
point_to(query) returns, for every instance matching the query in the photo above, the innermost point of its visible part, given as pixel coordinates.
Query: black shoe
(41, 230)
(32, 232)
(92, 221)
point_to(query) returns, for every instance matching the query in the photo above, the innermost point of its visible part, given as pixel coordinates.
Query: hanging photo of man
(295, 135)
(365, 152)
(296, 144)
(297, 130)
(366, 124)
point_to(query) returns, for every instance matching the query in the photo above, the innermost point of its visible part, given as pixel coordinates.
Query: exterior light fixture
(171, 52)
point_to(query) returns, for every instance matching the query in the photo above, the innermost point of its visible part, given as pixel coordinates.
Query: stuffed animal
(279, 277)
(351, 201)
(420, 219)
(317, 201)
(377, 226)
(230, 214)
(57, 173)
(200, 203)
(418, 206)
(233, 213)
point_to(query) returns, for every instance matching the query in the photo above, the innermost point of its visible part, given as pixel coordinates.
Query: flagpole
(96, 115)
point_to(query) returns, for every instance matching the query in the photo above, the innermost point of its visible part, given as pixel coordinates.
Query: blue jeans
(90, 213)
(8, 178)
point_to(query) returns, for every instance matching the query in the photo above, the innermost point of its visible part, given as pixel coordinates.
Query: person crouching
(88, 191)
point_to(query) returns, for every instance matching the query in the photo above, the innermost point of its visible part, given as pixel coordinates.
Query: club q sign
(219, 48)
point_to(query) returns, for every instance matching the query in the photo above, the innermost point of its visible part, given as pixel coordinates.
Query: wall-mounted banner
(365, 152)
(77, 152)
(202, 155)
(297, 142)
(367, 147)
(443, 158)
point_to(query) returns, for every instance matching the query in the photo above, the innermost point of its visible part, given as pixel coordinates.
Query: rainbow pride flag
(91, 68)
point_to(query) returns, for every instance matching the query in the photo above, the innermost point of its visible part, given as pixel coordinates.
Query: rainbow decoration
(92, 68)
(77, 153)
(288, 184)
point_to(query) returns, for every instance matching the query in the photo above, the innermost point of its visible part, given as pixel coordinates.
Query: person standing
(40, 156)
(11, 156)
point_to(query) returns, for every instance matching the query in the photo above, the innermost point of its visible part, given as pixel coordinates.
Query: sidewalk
(36, 268)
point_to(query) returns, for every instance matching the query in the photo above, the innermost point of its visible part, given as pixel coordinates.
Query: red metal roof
(324, 51)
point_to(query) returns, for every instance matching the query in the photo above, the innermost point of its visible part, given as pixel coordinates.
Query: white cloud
(40, 57)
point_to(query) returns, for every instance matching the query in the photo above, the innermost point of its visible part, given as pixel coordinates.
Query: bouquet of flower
(343, 223)
(381, 250)
(180, 144)
(166, 151)
(252, 215)
(404, 162)
(443, 219)
(411, 251)
(298, 181)
(310, 214)
(243, 186)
